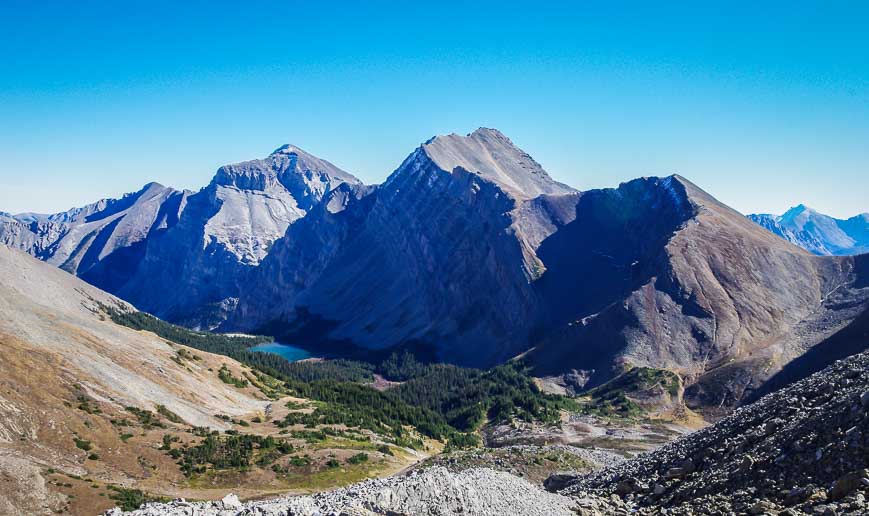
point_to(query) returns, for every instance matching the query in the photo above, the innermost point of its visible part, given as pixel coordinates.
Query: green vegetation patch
(612, 398)
(182, 355)
(234, 452)
(226, 377)
(132, 499)
(86, 404)
(146, 418)
(440, 401)
(205, 341)
(359, 458)
(168, 414)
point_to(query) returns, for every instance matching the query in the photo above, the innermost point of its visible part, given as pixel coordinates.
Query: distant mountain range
(819, 233)
(468, 253)
(181, 255)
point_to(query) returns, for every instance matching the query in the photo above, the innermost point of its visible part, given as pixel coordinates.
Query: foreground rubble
(435, 491)
(803, 449)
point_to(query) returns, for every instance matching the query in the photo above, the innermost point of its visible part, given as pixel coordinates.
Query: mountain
(471, 253)
(181, 255)
(102, 242)
(657, 273)
(192, 273)
(819, 233)
(441, 256)
(70, 382)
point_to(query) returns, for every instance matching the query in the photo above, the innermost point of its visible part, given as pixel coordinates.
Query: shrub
(359, 458)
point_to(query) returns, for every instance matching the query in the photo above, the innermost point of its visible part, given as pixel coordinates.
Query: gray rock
(761, 479)
(435, 491)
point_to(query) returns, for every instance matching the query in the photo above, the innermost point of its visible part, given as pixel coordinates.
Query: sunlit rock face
(181, 255)
(192, 273)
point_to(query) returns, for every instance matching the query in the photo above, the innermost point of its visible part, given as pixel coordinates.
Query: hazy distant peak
(800, 210)
(817, 232)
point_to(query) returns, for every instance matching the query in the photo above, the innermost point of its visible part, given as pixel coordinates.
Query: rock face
(103, 242)
(191, 274)
(181, 255)
(802, 449)
(476, 492)
(819, 233)
(424, 259)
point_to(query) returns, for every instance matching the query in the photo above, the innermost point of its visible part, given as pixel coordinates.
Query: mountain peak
(288, 158)
(797, 210)
(287, 148)
(490, 154)
(489, 132)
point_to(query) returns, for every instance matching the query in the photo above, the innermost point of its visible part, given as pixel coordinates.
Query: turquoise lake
(291, 353)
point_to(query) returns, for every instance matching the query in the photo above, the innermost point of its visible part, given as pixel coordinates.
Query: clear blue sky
(764, 104)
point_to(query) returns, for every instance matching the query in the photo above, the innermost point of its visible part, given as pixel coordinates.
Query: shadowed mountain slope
(719, 300)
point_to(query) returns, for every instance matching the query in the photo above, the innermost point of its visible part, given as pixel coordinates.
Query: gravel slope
(804, 449)
(434, 492)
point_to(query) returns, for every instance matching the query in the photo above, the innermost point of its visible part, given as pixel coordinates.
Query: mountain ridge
(469, 252)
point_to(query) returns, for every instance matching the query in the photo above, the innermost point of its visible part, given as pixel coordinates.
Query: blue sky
(765, 106)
